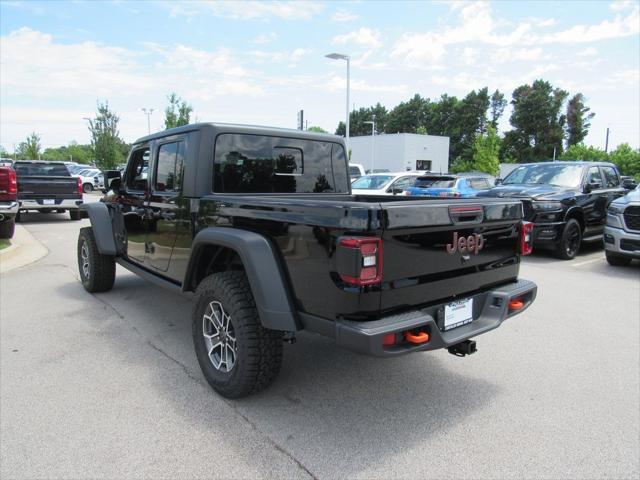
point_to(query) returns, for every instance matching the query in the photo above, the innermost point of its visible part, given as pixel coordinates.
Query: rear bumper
(490, 310)
(59, 203)
(9, 208)
(619, 241)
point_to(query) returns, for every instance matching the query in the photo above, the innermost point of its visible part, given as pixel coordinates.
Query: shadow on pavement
(327, 403)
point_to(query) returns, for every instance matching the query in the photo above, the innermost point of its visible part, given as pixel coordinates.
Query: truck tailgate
(37, 187)
(423, 262)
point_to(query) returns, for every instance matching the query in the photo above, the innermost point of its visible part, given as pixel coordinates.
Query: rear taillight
(359, 260)
(79, 186)
(8, 184)
(526, 238)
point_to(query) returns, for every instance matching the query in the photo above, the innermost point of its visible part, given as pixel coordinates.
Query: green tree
(578, 119)
(72, 152)
(496, 107)
(537, 121)
(316, 129)
(357, 119)
(178, 112)
(105, 137)
(627, 160)
(30, 148)
(582, 152)
(407, 116)
(486, 150)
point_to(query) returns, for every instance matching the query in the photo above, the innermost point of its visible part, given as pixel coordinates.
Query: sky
(259, 63)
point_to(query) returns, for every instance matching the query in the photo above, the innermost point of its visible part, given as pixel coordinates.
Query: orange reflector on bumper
(417, 338)
(516, 304)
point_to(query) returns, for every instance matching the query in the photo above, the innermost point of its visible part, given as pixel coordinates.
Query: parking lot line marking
(586, 262)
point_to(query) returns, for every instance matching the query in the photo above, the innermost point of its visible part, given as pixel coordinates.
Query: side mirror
(112, 180)
(498, 181)
(628, 184)
(589, 187)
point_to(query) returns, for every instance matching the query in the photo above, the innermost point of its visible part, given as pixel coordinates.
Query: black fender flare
(264, 272)
(102, 227)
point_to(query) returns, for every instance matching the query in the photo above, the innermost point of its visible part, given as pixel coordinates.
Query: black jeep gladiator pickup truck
(566, 201)
(260, 224)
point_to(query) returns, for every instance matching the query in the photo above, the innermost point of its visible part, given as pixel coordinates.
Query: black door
(134, 199)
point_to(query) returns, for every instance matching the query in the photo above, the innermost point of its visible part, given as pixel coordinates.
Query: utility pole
(373, 138)
(148, 112)
(606, 142)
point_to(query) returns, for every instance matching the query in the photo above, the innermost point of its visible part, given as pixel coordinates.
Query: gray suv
(622, 231)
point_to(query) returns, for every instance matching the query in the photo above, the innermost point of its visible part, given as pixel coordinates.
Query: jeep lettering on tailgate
(472, 244)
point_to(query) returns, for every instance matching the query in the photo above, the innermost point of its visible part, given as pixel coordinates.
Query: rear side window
(261, 164)
(611, 178)
(479, 183)
(169, 167)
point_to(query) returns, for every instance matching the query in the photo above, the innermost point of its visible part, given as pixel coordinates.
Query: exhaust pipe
(463, 348)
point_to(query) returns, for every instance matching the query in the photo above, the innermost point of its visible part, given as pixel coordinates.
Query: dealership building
(401, 152)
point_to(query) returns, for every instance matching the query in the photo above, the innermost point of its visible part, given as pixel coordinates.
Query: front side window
(594, 177)
(169, 167)
(262, 164)
(404, 183)
(611, 178)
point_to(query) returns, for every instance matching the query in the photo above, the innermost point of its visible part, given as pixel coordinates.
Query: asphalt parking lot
(108, 386)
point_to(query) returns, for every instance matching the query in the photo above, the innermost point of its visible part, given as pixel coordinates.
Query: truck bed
(417, 269)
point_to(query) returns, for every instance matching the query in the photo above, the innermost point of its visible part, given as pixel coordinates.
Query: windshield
(372, 182)
(551, 174)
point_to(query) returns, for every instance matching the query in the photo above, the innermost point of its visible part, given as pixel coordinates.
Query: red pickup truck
(8, 201)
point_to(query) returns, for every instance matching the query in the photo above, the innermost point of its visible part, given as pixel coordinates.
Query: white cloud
(246, 9)
(519, 54)
(469, 55)
(265, 38)
(477, 26)
(364, 36)
(337, 83)
(616, 28)
(587, 52)
(344, 16)
(622, 5)
(280, 56)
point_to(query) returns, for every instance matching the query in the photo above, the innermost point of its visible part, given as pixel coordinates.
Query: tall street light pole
(341, 56)
(373, 138)
(148, 112)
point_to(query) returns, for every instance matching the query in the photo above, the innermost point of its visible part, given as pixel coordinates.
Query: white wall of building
(401, 152)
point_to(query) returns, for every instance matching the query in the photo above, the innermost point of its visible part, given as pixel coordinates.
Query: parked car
(384, 183)
(8, 201)
(622, 230)
(356, 170)
(450, 186)
(378, 170)
(47, 187)
(268, 253)
(566, 201)
(92, 179)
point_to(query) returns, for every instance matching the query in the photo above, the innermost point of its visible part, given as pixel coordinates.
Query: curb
(24, 249)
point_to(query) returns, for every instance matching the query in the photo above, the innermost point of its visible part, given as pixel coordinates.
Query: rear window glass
(261, 164)
(443, 184)
(41, 170)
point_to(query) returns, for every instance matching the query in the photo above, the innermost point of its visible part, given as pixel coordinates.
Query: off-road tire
(571, 235)
(259, 350)
(616, 260)
(101, 268)
(75, 214)
(87, 188)
(7, 227)
(18, 217)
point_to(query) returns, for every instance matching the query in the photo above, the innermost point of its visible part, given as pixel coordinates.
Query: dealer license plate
(48, 202)
(458, 313)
